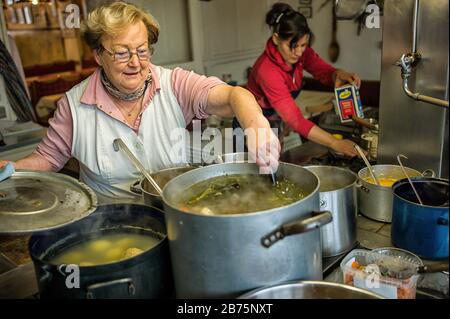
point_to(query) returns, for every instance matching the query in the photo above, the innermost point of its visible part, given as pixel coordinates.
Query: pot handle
(299, 226)
(428, 173)
(136, 188)
(436, 267)
(91, 289)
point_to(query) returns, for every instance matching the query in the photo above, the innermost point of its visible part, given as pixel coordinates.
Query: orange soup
(384, 181)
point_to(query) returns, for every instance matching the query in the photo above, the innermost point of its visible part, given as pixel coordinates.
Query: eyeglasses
(124, 55)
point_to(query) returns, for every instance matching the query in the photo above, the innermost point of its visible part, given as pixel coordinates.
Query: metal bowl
(310, 290)
(400, 253)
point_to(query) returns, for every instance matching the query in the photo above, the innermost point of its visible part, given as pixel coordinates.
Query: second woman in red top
(276, 77)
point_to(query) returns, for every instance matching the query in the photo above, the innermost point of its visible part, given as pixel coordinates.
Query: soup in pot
(238, 194)
(106, 249)
(384, 181)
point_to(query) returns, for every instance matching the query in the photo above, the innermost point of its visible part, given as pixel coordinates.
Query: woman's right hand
(265, 151)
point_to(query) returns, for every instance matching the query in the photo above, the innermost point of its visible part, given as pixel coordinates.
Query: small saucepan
(151, 196)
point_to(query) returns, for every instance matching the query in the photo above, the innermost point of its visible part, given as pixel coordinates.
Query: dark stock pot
(222, 256)
(421, 229)
(147, 275)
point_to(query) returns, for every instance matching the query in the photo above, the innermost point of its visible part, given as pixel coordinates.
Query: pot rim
(143, 179)
(112, 266)
(246, 215)
(364, 169)
(419, 179)
(346, 170)
(308, 283)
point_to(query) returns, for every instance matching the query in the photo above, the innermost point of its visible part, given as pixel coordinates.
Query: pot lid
(32, 201)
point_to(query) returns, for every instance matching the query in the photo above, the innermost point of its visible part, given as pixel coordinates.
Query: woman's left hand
(342, 77)
(345, 147)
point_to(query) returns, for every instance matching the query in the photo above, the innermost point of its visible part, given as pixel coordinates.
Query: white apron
(110, 173)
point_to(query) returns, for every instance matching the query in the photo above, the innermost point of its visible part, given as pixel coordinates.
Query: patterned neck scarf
(111, 89)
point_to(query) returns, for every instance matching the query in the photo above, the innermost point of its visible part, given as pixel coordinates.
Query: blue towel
(6, 171)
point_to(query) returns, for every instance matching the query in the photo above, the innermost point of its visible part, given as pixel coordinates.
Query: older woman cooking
(127, 97)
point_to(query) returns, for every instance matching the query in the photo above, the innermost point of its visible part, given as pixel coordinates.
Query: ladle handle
(366, 161)
(364, 123)
(407, 176)
(119, 144)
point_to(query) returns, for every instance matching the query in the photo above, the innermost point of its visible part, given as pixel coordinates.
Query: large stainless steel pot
(145, 188)
(337, 195)
(375, 201)
(222, 256)
(310, 290)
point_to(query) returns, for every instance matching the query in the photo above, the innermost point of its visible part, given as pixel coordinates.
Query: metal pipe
(407, 62)
(422, 98)
(415, 22)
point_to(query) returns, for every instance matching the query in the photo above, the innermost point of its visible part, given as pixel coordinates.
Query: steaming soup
(237, 194)
(106, 249)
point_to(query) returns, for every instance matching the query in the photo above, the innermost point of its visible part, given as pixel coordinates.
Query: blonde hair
(112, 19)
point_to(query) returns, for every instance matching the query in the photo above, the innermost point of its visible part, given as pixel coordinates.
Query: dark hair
(287, 23)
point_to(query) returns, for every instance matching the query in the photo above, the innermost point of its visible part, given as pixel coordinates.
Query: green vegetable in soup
(237, 194)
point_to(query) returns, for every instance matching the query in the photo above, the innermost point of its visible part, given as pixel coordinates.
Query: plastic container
(379, 273)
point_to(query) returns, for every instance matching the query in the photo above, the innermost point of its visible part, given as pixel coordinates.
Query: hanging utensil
(333, 49)
(407, 176)
(366, 161)
(350, 9)
(119, 144)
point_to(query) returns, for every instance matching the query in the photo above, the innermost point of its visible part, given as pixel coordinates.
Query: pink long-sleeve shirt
(190, 89)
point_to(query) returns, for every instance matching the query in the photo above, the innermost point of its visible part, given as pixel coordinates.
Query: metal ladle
(407, 176)
(366, 161)
(119, 144)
